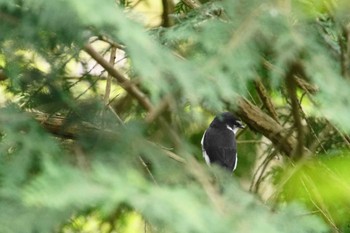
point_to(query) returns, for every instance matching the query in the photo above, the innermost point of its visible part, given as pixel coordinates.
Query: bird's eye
(239, 124)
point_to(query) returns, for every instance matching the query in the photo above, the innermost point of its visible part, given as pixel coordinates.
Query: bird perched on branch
(219, 142)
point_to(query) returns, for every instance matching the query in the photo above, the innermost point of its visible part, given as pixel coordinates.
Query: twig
(193, 4)
(292, 92)
(168, 9)
(318, 142)
(174, 156)
(126, 84)
(136, 3)
(264, 165)
(133, 90)
(148, 170)
(301, 83)
(345, 51)
(320, 139)
(112, 43)
(120, 121)
(266, 100)
(250, 142)
(109, 78)
(2, 76)
(162, 106)
(324, 212)
(261, 167)
(308, 213)
(343, 136)
(56, 126)
(266, 125)
(266, 161)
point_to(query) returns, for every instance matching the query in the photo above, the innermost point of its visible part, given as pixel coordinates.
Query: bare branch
(266, 125)
(3, 77)
(193, 4)
(266, 100)
(294, 69)
(56, 126)
(344, 44)
(168, 9)
(125, 83)
(320, 138)
(162, 106)
(109, 78)
(112, 43)
(148, 170)
(303, 84)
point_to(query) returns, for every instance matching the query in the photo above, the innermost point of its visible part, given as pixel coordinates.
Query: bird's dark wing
(223, 156)
(220, 146)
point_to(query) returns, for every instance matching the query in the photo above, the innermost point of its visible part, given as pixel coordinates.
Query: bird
(219, 142)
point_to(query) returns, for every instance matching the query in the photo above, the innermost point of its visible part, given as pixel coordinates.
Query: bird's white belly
(205, 156)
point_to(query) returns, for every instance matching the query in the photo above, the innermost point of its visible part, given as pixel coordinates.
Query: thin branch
(125, 83)
(323, 210)
(343, 136)
(3, 77)
(168, 9)
(112, 43)
(266, 100)
(56, 125)
(148, 170)
(263, 167)
(193, 4)
(292, 92)
(302, 84)
(261, 122)
(251, 142)
(344, 44)
(133, 90)
(174, 156)
(162, 106)
(109, 78)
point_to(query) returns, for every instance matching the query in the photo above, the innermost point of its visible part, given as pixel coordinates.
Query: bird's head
(227, 119)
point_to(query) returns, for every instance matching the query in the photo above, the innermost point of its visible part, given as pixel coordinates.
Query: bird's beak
(240, 125)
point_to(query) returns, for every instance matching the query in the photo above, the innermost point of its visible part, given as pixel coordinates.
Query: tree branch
(266, 100)
(302, 84)
(125, 83)
(132, 89)
(109, 78)
(345, 50)
(266, 125)
(57, 126)
(322, 136)
(158, 110)
(112, 43)
(193, 4)
(294, 69)
(168, 9)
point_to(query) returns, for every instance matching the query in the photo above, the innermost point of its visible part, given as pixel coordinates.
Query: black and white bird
(219, 142)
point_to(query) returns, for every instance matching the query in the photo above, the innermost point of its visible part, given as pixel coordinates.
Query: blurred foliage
(117, 172)
(323, 186)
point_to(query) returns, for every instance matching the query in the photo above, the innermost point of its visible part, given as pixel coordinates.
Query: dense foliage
(101, 116)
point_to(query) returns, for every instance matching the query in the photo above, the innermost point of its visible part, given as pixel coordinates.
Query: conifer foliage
(101, 116)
